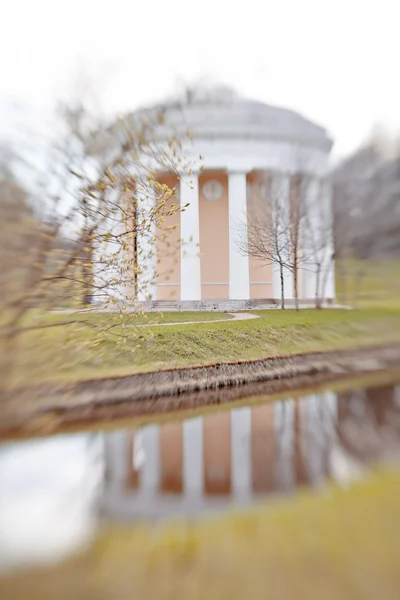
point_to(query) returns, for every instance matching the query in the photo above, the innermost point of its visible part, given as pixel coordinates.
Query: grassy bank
(77, 351)
(82, 349)
(341, 544)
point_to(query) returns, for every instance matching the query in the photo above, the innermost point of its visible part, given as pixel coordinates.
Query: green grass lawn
(339, 544)
(83, 350)
(77, 351)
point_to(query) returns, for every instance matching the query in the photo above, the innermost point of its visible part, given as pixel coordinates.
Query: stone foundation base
(221, 305)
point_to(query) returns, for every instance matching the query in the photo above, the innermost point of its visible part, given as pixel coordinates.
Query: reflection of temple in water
(52, 488)
(236, 455)
(231, 455)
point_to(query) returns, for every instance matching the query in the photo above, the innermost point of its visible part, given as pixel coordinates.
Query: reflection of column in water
(284, 420)
(263, 448)
(330, 410)
(241, 452)
(343, 467)
(193, 468)
(138, 456)
(118, 458)
(150, 472)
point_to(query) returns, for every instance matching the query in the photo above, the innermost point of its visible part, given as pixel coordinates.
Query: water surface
(56, 492)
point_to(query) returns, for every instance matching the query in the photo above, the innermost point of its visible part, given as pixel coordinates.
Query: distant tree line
(366, 194)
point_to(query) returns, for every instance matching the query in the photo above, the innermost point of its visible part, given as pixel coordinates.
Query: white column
(241, 452)
(239, 283)
(280, 193)
(190, 236)
(317, 241)
(146, 244)
(193, 469)
(329, 275)
(309, 240)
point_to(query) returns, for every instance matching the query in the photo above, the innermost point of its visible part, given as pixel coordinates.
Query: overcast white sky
(335, 61)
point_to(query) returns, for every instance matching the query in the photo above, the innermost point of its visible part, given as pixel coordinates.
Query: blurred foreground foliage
(79, 210)
(337, 544)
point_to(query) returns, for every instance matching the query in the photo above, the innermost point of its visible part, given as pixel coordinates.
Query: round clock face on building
(212, 190)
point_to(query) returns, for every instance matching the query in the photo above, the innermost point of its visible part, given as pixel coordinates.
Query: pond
(57, 492)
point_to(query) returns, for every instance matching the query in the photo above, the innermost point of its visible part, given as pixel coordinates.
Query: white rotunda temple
(247, 149)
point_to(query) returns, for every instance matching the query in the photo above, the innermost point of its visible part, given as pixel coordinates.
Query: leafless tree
(317, 236)
(266, 234)
(298, 196)
(366, 200)
(366, 204)
(290, 227)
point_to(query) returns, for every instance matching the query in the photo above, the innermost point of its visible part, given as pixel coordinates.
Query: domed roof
(219, 112)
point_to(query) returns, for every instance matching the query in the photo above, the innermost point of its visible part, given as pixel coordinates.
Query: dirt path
(240, 316)
(236, 316)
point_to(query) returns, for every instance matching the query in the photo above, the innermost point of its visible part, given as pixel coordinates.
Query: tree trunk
(282, 288)
(325, 278)
(295, 273)
(135, 252)
(343, 282)
(87, 274)
(296, 291)
(317, 294)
